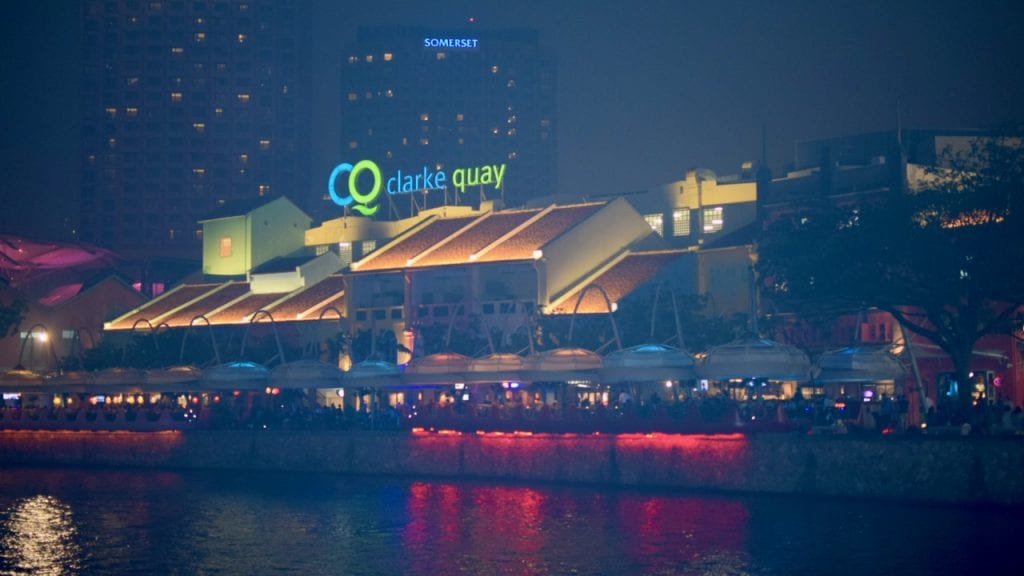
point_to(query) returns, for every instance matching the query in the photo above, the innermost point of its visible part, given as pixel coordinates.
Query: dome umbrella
(753, 357)
(441, 368)
(857, 364)
(312, 374)
(647, 363)
(497, 367)
(372, 374)
(563, 364)
(241, 375)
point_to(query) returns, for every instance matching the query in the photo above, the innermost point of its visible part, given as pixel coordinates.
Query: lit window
(511, 84)
(225, 247)
(656, 222)
(199, 21)
(199, 127)
(176, 96)
(460, 117)
(112, 142)
(132, 81)
(264, 189)
(218, 111)
(199, 172)
(243, 98)
(243, 7)
(681, 222)
(321, 250)
(511, 131)
(389, 93)
(441, 56)
(352, 96)
(369, 246)
(241, 38)
(353, 59)
(131, 112)
(369, 58)
(405, 141)
(712, 219)
(345, 251)
(424, 117)
(199, 37)
(177, 50)
(243, 158)
(424, 141)
(264, 144)
(388, 56)
(494, 69)
(511, 155)
(112, 112)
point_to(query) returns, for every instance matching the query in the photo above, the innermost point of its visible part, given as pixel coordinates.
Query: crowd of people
(297, 410)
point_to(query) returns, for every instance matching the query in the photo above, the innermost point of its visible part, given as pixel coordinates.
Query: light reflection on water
(136, 522)
(38, 537)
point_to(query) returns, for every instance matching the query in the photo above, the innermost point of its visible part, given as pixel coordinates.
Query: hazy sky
(647, 88)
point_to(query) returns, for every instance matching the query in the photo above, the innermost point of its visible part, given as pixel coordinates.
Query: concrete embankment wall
(954, 469)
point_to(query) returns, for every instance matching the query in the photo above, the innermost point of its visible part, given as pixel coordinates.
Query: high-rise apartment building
(417, 100)
(187, 105)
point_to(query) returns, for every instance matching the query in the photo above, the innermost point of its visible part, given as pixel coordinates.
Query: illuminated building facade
(414, 99)
(187, 105)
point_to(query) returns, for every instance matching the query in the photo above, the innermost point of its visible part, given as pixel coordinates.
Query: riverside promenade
(949, 469)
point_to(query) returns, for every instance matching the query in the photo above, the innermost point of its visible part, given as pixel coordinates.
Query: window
(369, 246)
(243, 98)
(264, 144)
(388, 56)
(225, 247)
(712, 220)
(657, 223)
(345, 253)
(681, 222)
(176, 96)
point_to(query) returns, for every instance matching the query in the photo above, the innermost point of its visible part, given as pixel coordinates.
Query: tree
(945, 259)
(11, 315)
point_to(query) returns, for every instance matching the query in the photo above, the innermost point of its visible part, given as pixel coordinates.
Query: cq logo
(364, 202)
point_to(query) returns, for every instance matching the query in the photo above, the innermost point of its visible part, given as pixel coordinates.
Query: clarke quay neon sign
(406, 183)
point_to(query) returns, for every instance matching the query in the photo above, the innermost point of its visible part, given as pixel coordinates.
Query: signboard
(364, 201)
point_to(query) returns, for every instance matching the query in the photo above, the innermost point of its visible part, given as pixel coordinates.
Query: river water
(113, 522)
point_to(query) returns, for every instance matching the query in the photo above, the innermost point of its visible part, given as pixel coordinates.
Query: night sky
(647, 89)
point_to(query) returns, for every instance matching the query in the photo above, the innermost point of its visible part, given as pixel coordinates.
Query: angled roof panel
(396, 255)
(164, 304)
(620, 280)
(207, 305)
(320, 295)
(539, 233)
(472, 240)
(239, 311)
